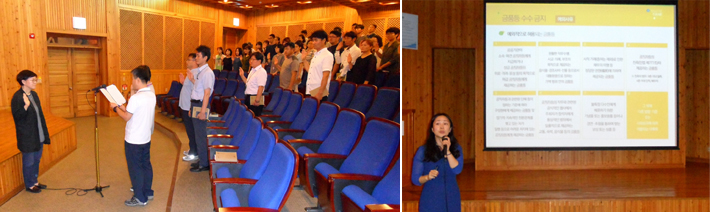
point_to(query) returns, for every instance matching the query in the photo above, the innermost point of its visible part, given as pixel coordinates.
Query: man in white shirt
(351, 50)
(200, 98)
(255, 83)
(320, 68)
(184, 104)
(139, 115)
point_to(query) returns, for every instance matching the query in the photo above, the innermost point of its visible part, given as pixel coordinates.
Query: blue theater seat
(269, 193)
(289, 114)
(344, 135)
(362, 99)
(304, 118)
(345, 94)
(248, 169)
(319, 129)
(385, 105)
(357, 196)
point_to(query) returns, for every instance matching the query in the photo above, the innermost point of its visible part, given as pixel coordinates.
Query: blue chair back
(345, 94)
(323, 122)
(233, 121)
(283, 103)
(274, 186)
(238, 131)
(294, 105)
(216, 72)
(387, 190)
(256, 165)
(385, 104)
(175, 88)
(275, 97)
(344, 134)
(251, 136)
(333, 89)
(230, 88)
(274, 83)
(269, 78)
(375, 150)
(232, 75)
(306, 114)
(222, 75)
(363, 97)
(219, 85)
(239, 93)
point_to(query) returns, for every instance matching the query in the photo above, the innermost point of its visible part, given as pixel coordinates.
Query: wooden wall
(19, 18)
(289, 21)
(608, 205)
(460, 24)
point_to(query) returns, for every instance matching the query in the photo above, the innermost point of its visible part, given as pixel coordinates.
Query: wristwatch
(114, 109)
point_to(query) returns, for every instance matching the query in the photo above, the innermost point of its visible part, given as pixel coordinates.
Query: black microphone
(443, 151)
(96, 89)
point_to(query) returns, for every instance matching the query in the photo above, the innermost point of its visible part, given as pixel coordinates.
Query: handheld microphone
(443, 151)
(96, 89)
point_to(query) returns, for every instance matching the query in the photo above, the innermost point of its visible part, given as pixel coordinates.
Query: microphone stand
(98, 188)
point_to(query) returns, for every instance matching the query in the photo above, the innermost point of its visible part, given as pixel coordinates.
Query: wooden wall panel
(131, 45)
(195, 8)
(331, 25)
(441, 26)
(380, 22)
(410, 143)
(191, 39)
(59, 14)
(393, 22)
(279, 31)
(19, 18)
(294, 30)
(152, 4)
(228, 19)
(173, 44)
(453, 81)
(153, 41)
(313, 27)
(207, 33)
(613, 205)
(698, 71)
(262, 33)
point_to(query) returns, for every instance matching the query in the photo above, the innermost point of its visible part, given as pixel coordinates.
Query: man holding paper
(139, 115)
(255, 84)
(203, 85)
(320, 68)
(184, 103)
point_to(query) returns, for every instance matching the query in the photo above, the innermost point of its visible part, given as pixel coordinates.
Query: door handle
(70, 88)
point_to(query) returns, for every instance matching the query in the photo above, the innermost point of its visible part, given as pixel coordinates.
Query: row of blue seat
(331, 142)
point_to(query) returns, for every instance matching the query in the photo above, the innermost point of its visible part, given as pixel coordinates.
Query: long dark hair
(432, 152)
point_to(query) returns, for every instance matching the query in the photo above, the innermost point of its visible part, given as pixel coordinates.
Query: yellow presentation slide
(580, 76)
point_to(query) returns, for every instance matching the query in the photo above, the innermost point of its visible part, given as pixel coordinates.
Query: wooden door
(85, 74)
(72, 72)
(60, 82)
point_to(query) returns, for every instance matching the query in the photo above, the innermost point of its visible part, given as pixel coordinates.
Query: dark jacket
(26, 123)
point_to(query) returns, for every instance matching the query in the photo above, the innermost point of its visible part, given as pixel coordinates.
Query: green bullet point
(501, 33)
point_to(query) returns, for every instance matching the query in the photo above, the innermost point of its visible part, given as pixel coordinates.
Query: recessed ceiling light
(271, 6)
(389, 3)
(359, 1)
(226, 1)
(304, 2)
(246, 6)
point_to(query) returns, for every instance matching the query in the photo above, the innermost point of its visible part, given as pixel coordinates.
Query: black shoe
(194, 165)
(200, 169)
(34, 189)
(42, 186)
(135, 202)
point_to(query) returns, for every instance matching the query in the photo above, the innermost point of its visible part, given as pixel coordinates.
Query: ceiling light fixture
(304, 2)
(359, 1)
(271, 6)
(389, 3)
(246, 6)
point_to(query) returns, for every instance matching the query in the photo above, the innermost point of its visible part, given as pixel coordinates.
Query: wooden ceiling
(268, 4)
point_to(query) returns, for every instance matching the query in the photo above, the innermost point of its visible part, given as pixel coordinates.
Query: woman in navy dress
(436, 165)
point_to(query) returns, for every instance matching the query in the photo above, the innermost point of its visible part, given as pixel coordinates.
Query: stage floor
(691, 182)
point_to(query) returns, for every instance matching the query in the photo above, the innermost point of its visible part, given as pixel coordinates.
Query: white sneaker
(190, 158)
(185, 153)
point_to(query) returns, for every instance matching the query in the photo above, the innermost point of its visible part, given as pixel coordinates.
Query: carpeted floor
(78, 170)
(191, 192)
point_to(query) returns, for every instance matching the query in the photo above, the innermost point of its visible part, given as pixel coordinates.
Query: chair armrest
(220, 136)
(234, 167)
(311, 144)
(293, 132)
(381, 207)
(218, 128)
(241, 185)
(278, 122)
(234, 181)
(337, 182)
(216, 121)
(251, 209)
(213, 149)
(270, 116)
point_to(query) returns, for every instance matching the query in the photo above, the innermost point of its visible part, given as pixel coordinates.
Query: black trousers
(201, 138)
(190, 131)
(140, 170)
(256, 109)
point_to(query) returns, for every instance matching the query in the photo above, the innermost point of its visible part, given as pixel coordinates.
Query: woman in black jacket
(30, 127)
